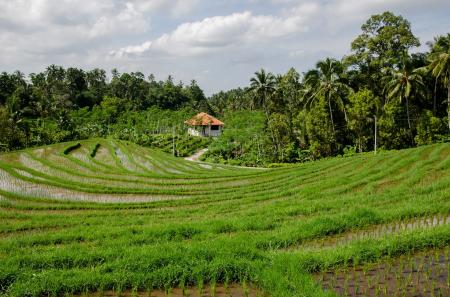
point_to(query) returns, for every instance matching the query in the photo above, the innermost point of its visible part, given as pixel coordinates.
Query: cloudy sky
(219, 43)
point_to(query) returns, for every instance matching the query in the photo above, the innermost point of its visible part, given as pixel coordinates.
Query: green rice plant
(119, 291)
(101, 290)
(212, 287)
(76, 222)
(245, 287)
(448, 275)
(134, 291)
(200, 286)
(185, 292)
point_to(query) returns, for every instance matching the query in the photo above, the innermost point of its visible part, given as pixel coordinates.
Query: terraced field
(110, 218)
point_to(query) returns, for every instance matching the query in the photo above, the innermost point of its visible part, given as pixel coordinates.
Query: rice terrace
(110, 218)
(206, 148)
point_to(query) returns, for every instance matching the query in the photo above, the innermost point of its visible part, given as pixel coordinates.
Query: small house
(204, 125)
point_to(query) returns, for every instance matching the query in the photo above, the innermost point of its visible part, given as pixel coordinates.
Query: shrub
(71, 148)
(430, 129)
(94, 150)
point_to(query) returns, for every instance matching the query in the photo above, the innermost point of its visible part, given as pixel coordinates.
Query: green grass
(185, 145)
(111, 215)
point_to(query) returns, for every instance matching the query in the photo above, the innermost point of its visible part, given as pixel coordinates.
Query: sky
(219, 43)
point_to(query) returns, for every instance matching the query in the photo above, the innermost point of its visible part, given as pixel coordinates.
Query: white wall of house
(194, 132)
(215, 133)
(205, 131)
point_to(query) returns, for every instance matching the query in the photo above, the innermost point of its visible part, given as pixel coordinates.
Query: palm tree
(263, 84)
(308, 90)
(440, 65)
(327, 81)
(402, 82)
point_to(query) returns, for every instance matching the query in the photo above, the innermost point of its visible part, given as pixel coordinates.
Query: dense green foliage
(183, 223)
(66, 104)
(244, 141)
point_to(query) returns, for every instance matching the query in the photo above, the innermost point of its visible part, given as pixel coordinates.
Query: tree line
(332, 109)
(328, 110)
(65, 104)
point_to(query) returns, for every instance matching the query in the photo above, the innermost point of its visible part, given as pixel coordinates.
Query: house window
(214, 127)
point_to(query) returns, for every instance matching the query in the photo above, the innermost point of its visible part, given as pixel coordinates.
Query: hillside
(112, 217)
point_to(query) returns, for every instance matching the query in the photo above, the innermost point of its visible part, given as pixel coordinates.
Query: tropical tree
(96, 83)
(55, 84)
(402, 82)
(321, 139)
(308, 87)
(361, 108)
(286, 99)
(231, 100)
(263, 85)
(383, 39)
(196, 97)
(328, 82)
(440, 65)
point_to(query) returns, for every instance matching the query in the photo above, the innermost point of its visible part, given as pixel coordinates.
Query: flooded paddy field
(421, 274)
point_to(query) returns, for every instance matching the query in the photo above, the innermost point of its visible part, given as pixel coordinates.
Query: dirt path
(195, 157)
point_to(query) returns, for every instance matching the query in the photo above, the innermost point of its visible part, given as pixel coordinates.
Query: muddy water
(233, 290)
(379, 231)
(20, 186)
(422, 274)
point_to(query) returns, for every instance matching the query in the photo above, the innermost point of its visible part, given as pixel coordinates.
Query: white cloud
(188, 37)
(39, 13)
(128, 20)
(175, 7)
(296, 53)
(347, 7)
(220, 32)
(50, 27)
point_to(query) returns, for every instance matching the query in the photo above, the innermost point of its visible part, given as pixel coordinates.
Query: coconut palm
(327, 81)
(440, 65)
(400, 83)
(263, 84)
(308, 90)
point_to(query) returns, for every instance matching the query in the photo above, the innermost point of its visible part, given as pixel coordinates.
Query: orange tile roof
(203, 119)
